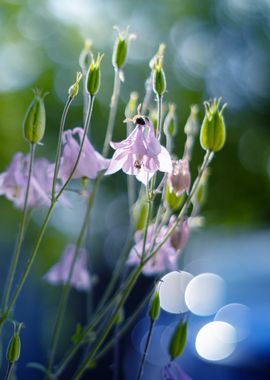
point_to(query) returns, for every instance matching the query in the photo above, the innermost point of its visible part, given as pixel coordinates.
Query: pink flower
(90, 163)
(180, 177)
(13, 182)
(172, 371)
(166, 257)
(140, 154)
(59, 273)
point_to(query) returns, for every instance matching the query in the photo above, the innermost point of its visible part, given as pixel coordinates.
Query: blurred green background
(213, 48)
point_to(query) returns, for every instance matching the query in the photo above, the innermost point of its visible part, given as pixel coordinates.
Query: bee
(137, 164)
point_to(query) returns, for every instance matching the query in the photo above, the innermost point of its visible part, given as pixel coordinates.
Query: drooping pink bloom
(59, 273)
(13, 182)
(172, 371)
(90, 163)
(180, 178)
(166, 257)
(140, 154)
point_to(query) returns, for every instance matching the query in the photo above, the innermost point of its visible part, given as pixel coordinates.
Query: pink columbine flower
(90, 163)
(180, 178)
(172, 371)
(13, 182)
(140, 154)
(59, 273)
(166, 257)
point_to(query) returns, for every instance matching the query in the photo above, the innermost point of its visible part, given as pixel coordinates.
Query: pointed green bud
(139, 213)
(35, 119)
(154, 307)
(201, 193)
(120, 317)
(178, 340)
(93, 75)
(213, 132)
(86, 55)
(159, 53)
(121, 48)
(192, 124)
(159, 80)
(14, 346)
(170, 123)
(131, 107)
(74, 89)
(173, 200)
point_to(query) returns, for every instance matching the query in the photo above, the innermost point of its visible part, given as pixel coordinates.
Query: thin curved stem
(18, 246)
(67, 286)
(147, 343)
(59, 144)
(113, 110)
(44, 226)
(9, 371)
(86, 128)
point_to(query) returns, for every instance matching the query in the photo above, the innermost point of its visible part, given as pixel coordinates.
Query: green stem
(112, 115)
(67, 286)
(44, 225)
(110, 324)
(207, 158)
(15, 258)
(86, 128)
(9, 371)
(159, 109)
(148, 339)
(59, 144)
(124, 328)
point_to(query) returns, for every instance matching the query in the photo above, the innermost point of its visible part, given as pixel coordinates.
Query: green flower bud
(199, 197)
(131, 107)
(173, 200)
(139, 213)
(121, 48)
(14, 346)
(159, 53)
(74, 89)
(93, 76)
(159, 80)
(213, 132)
(192, 124)
(178, 340)
(35, 119)
(154, 307)
(86, 55)
(170, 123)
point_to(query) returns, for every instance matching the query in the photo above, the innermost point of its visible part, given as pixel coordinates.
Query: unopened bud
(201, 193)
(86, 55)
(159, 80)
(139, 213)
(173, 200)
(178, 340)
(159, 53)
(154, 307)
(180, 178)
(14, 346)
(35, 119)
(131, 107)
(192, 124)
(121, 48)
(170, 123)
(74, 89)
(213, 132)
(180, 235)
(93, 75)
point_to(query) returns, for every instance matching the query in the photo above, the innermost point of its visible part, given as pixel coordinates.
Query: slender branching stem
(113, 110)
(147, 343)
(59, 144)
(19, 241)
